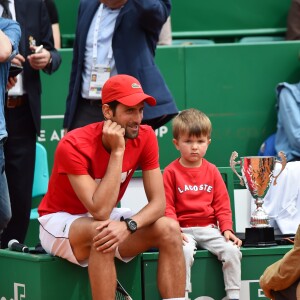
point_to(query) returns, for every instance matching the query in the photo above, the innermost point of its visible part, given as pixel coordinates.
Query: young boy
(197, 198)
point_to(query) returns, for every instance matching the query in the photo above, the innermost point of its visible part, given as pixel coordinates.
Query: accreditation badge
(99, 75)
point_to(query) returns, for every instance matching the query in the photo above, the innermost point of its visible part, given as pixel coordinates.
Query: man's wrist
(131, 224)
(118, 153)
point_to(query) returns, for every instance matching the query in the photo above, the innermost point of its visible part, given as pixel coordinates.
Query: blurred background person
(54, 19)
(106, 44)
(281, 280)
(288, 120)
(23, 109)
(293, 21)
(10, 34)
(165, 36)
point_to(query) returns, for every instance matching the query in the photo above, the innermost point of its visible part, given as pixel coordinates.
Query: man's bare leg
(171, 266)
(101, 267)
(102, 274)
(165, 235)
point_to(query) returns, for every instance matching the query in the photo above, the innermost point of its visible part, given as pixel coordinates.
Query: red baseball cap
(126, 90)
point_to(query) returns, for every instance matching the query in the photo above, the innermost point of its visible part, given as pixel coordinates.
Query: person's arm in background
(289, 113)
(293, 21)
(165, 36)
(54, 19)
(74, 70)
(56, 35)
(49, 59)
(5, 47)
(153, 13)
(10, 35)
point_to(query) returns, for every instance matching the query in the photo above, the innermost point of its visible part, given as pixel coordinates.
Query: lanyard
(95, 37)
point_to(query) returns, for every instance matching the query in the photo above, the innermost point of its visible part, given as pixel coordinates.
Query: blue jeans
(5, 209)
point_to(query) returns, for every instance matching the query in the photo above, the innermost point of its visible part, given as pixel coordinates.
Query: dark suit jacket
(134, 42)
(34, 21)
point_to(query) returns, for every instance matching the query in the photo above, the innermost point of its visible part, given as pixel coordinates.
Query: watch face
(132, 226)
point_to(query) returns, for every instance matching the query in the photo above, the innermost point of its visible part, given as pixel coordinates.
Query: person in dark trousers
(117, 37)
(54, 19)
(10, 35)
(23, 110)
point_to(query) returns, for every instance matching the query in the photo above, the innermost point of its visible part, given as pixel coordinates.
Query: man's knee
(85, 229)
(169, 230)
(171, 227)
(92, 228)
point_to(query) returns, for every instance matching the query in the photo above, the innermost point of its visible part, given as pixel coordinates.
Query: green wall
(67, 11)
(233, 83)
(205, 18)
(220, 15)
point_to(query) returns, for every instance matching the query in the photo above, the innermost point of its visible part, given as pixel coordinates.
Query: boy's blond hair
(192, 122)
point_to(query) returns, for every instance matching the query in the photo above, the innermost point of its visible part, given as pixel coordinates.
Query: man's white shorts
(54, 233)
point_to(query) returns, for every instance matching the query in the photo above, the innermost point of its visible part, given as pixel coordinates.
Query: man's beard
(131, 135)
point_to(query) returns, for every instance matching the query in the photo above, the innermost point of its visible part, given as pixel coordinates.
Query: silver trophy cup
(257, 175)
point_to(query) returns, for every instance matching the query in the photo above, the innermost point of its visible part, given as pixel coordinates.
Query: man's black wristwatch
(131, 224)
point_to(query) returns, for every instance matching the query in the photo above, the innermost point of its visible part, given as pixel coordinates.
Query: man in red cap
(92, 168)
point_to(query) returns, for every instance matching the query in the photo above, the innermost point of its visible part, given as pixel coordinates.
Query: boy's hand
(184, 239)
(229, 236)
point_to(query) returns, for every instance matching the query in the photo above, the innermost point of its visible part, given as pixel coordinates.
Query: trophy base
(259, 237)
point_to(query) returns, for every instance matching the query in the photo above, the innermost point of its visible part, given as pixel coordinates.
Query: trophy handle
(233, 163)
(283, 165)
